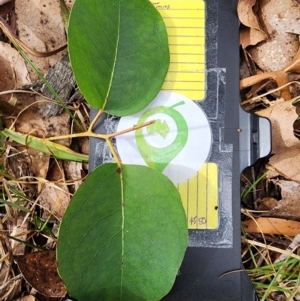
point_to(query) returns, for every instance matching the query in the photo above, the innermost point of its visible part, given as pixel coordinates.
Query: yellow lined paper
(199, 196)
(185, 22)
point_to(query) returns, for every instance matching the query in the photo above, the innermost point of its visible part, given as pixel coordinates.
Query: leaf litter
(33, 181)
(269, 84)
(281, 22)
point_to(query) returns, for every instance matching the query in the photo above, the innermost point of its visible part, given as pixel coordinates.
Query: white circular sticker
(177, 144)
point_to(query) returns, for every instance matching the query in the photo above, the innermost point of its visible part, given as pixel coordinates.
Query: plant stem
(114, 153)
(134, 128)
(106, 137)
(78, 135)
(100, 112)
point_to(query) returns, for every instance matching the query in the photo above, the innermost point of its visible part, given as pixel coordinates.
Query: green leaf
(119, 53)
(123, 236)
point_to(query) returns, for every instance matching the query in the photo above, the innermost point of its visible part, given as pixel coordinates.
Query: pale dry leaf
(40, 27)
(19, 231)
(283, 43)
(55, 197)
(288, 189)
(275, 53)
(73, 172)
(289, 206)
(282, 117)
(281, 15)
(84, 145)
(17, 64)
(7, 81)
(251, 33)
(286, 208)
(285, 146)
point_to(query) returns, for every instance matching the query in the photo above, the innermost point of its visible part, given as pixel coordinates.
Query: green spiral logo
(155, 157)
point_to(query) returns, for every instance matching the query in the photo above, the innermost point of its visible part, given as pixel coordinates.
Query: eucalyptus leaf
(123, 236)
(119, 53)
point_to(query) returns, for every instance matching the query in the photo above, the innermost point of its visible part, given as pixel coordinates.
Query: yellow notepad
(185, 22)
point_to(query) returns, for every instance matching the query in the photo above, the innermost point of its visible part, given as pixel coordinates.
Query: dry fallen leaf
(288, 189)
(7, 81)
(19, 231)
(289, 206)
(55, 197)
(275, 53)
(73, 172)
(272, 226)
(250, 33)
(283, 16)
(282, 117)
(279, 55)
(17, 64)
(281, 21)
(285, 146)
(40, 271)
(40, 27)
(267, 204)
(26, 298)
